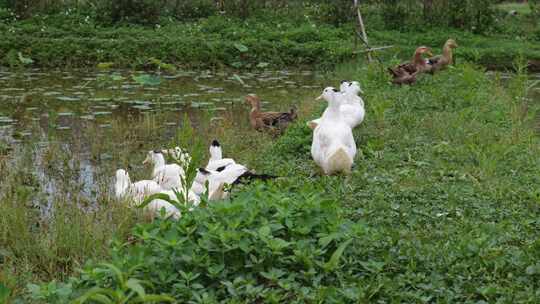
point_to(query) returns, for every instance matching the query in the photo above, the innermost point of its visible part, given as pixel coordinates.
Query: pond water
(64, 102)
(74, 118)
(85, 124)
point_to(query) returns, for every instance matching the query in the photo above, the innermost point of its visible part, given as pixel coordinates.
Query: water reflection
(84, 124)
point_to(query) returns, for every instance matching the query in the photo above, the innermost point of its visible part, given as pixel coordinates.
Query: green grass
(442, 207)
(60, 40)
(520, 8)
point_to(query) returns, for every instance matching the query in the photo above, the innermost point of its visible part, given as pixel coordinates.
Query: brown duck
(418, 63)
(262, 121)
(401, 76)
(406, 73)
(440, 62)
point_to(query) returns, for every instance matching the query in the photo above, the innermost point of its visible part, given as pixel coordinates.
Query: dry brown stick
(363, 29)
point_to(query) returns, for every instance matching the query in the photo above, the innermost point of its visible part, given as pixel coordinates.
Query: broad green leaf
(264, 231)
(373, 266)
(154, 298)
(533, 269)
(4, 293)
(277, 244)
(117, 272)
(237, 78)
(64, 291)
(105, 65)
(333, 263)
(96, 291)
(240, 47)
(152, 197)
(33, 289)
(100, 298)
(117, 77)
(136, 286)
(25, 60)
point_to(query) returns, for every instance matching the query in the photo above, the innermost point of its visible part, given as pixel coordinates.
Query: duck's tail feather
(394, 72)
(218, 193)
(293, 111)
(312, 124)
(248, 177)
(340, 161)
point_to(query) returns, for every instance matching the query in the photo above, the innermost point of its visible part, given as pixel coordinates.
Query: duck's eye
(203, 171)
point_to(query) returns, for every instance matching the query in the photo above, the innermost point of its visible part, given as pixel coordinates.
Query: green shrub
(535, 7)
(473, 15)
(272, 243)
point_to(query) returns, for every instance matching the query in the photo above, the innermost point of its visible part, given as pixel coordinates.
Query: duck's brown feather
(271, 119)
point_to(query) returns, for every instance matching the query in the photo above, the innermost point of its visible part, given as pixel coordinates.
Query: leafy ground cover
(442, 207)
(77, 40)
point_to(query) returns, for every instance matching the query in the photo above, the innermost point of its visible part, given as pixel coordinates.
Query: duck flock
(333, 146)
(333, 149)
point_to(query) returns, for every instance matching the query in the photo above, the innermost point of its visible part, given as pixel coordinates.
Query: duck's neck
(447, 53)
(418, 58)
(121, 187)
(333, 112)
(255, 106)
(159, 161)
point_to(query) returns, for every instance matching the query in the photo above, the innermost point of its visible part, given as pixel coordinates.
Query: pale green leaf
(241, 47)
(333, 263)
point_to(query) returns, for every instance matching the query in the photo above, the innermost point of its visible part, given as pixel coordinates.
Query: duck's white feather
(216, 157)
(333, 147)
(137, 191)
(168, 176)
(352, 106)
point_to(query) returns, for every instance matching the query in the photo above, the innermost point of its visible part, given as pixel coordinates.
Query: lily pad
(102, 113)
(67, 98)
(105, 65)
(116, 77)
(146, 79)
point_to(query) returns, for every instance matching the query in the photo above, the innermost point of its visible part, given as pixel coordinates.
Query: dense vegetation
(441, 207)
(298, 33)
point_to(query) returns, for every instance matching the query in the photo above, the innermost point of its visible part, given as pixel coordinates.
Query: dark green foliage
(210, 42)
(272, 243)
(442, 207)
(130, 11)
(473, 15)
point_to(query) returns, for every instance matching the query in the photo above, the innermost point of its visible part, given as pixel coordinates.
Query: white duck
(333, 147)
(216, 157)
(167, 176)
(225, 171)
(193, 197)
(155, 206)
(352, 107)
(137, 191)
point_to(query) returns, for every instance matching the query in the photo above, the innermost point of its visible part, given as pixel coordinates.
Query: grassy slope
(54, 41)
(447, 185)
(442, 206)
